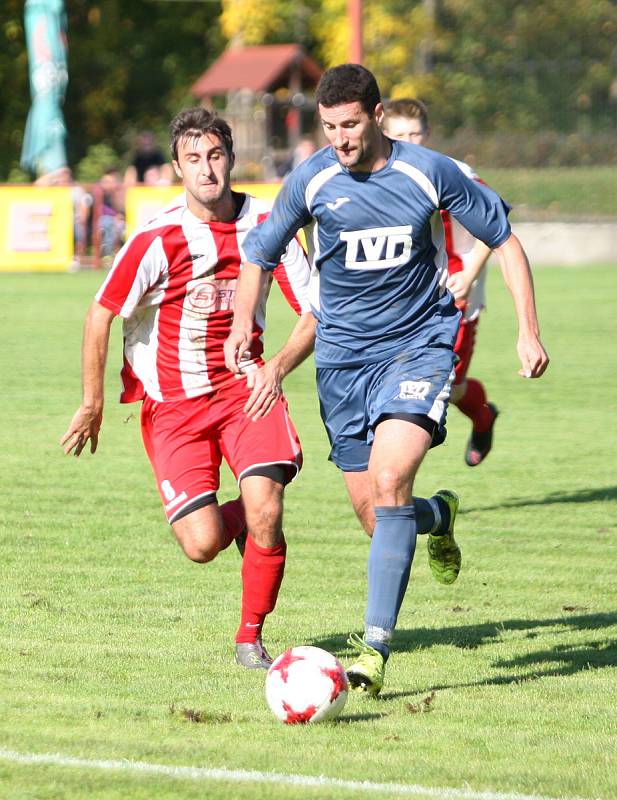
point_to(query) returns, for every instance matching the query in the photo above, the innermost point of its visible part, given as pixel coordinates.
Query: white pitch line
(235, 775)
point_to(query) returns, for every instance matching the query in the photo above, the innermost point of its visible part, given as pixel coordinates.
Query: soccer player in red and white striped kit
(407, 120)
(173, 283)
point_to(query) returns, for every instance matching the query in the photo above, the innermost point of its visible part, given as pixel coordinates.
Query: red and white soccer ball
(306, 684)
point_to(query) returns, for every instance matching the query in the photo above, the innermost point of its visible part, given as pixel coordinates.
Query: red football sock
(473, 405)
(262, 573)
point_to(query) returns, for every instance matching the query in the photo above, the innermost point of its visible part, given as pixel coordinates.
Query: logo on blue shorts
(414, 390)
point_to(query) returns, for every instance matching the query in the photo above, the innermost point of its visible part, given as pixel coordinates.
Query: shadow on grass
(582, 496)
(348, 719)
(560, 660)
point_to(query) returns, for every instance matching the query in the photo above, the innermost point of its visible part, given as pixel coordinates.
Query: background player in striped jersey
(386, 326)
(174, 284)
(407, 120)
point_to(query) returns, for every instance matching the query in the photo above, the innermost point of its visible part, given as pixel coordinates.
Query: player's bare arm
(460, 283)
(248, 290)
(265, 383)
(87, 420)
(517, 276)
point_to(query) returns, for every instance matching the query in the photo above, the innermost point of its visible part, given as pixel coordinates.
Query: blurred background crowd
(517, 85)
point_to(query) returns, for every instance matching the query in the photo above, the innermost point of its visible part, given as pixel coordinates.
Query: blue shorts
(353, 400)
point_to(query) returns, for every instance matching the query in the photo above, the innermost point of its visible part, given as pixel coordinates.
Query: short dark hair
(348, 83)
(408, 108)
(195, 122)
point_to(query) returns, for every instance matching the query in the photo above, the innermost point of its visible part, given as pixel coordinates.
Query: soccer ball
(306, 684)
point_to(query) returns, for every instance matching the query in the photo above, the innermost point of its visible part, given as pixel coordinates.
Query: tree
(526, 65)
(395, 33)
(254, 22)
(518, 64)
(134, 64)
(14, 78)
(131, 65)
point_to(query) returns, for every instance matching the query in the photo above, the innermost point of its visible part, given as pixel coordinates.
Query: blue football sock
(389, 565)
(432, 515)
(378, 639)
(381, 648)
(427, 521)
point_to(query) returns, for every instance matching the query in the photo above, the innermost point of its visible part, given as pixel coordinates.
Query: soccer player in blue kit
(386, 325)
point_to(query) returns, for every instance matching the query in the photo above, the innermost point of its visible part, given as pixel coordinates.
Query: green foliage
(331, 32)
(17, 175)
(131, 66)
(522, 66)
(514, 66)
(394, 33)
(14, 80)
(114, 646)
(566, 194)
(254, 22)
(98, 159)
(518, 149)
(135, 64)
(525, 65)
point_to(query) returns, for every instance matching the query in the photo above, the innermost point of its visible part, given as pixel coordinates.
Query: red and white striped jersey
(459, 246)
(174, 283)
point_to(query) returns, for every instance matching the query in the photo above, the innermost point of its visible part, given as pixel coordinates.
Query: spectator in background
(147, 154)
(305, 148)
(111, 222)
(156, 176)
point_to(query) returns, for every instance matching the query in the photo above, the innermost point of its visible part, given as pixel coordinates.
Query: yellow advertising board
(36, 223)
(144, 202)
(141, 203)
(36, 229)
(266, 191)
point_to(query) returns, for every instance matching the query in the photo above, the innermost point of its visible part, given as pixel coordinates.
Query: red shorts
(186, 441)
(463, 347)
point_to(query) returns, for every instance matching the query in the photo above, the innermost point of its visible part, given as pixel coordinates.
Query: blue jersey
(379, 264)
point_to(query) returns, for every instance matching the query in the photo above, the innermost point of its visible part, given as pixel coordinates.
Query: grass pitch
(116, 649)
(558, 193)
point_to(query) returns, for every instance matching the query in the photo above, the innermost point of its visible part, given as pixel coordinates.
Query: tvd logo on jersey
(414, 390)
(377, 248)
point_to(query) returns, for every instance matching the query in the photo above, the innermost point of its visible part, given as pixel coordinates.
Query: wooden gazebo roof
(263, 68)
